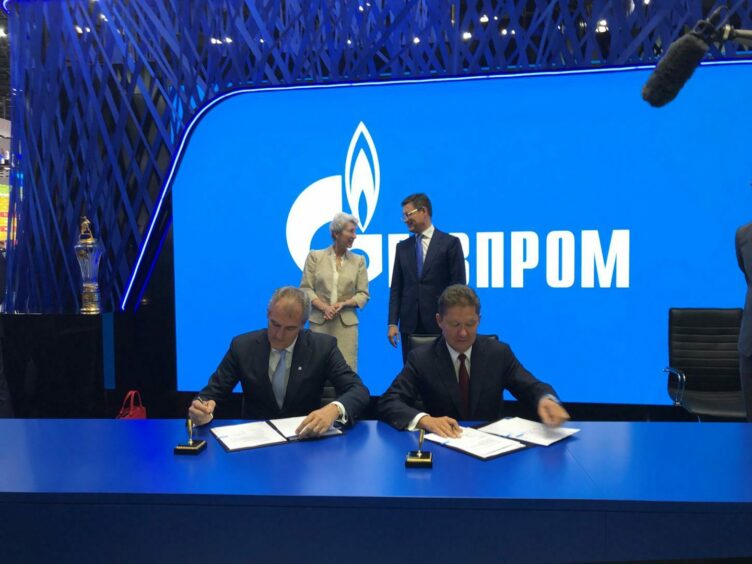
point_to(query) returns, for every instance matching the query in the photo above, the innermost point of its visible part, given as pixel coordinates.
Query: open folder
(262, 433)
(502, 437)
(529, 432)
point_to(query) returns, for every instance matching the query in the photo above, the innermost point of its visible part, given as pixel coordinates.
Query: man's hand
(442, 426)
(393, 335)
(201, 412)
(552, 413)
(318, 422)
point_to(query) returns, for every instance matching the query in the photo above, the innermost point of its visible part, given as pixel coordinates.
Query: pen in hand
(206, 407)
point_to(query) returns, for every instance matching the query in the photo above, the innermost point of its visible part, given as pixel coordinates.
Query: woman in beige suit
(337, 283)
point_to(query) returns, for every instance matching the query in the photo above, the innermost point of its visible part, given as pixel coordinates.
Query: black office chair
(703, 376)
(328, 394)
(418, 339)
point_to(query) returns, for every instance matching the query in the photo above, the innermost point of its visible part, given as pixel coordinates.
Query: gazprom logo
(318, 202)
(501, 259)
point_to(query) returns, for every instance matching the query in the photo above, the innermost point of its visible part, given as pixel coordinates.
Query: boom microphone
(675, 69)
(684, 56)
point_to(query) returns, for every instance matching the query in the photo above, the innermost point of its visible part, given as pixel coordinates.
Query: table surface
(633, 462)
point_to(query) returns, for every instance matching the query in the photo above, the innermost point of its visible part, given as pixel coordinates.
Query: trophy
(88, 252)
(191, 447)
(419, 458)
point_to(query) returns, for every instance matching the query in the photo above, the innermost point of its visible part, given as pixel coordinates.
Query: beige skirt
(347, 338)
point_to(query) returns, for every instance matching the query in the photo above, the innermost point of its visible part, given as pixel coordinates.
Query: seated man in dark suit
(462, 376)
(282, 370)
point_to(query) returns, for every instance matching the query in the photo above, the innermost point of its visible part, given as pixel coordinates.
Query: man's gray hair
(295, 294)
(458, 295)
(340, 221)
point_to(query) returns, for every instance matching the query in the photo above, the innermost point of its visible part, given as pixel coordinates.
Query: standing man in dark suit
(282, 370)
(462, 376)
(744, 257)
(423, 266)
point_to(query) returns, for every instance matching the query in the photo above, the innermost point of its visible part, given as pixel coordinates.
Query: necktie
(278, 379)
(419, 254)
(464, 386)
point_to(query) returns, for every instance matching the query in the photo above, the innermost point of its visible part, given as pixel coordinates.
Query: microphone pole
(728, 33)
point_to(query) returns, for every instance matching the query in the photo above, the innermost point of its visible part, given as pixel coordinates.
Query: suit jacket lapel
(411, 257)
(326, 274)
(261, 369)
(300, 359)
(477, 369)
(445, 370)
(348, 272)
(434, 248)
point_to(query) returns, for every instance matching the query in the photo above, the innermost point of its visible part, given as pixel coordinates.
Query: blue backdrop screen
(584, 214)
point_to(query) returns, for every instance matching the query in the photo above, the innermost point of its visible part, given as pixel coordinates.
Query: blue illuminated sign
(584, 213)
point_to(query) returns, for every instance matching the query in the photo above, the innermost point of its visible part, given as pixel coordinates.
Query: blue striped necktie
(278, 379)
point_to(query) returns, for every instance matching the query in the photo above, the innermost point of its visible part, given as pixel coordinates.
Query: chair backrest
(328, 393)
(703, 348)
(418, 340)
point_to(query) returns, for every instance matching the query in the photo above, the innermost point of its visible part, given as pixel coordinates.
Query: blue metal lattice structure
(102, 92)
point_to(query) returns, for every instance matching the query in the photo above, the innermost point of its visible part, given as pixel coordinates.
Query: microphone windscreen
(674, 70)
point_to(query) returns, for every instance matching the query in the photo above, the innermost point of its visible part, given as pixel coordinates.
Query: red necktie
(464, 387)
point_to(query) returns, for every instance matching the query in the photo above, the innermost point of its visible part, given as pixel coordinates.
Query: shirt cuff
(414, 423)
(342, 413)
(552, 397)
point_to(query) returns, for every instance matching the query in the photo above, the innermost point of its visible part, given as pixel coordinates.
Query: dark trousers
(745, 371)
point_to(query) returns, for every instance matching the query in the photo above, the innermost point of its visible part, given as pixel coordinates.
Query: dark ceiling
(708, 5)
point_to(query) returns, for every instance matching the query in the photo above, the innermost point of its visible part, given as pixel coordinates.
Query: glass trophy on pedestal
(88, 252)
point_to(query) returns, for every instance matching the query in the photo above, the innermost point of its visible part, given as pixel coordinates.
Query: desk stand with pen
(419, 458)
(191, 447)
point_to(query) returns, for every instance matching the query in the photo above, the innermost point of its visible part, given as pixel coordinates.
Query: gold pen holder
(191, 447)
(419, 459)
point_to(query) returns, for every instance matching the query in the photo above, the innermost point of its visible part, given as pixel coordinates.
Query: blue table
(81, 490)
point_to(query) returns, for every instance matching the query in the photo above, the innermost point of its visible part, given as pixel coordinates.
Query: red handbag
(132, 407)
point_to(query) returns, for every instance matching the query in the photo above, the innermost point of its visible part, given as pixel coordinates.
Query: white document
(477, 443)
(288, 425)
(528, 431)
(247, 435)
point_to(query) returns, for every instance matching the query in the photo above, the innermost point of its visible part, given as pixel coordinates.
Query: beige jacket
(318, 278)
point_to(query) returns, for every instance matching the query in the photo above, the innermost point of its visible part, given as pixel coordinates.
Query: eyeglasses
(406, 216)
